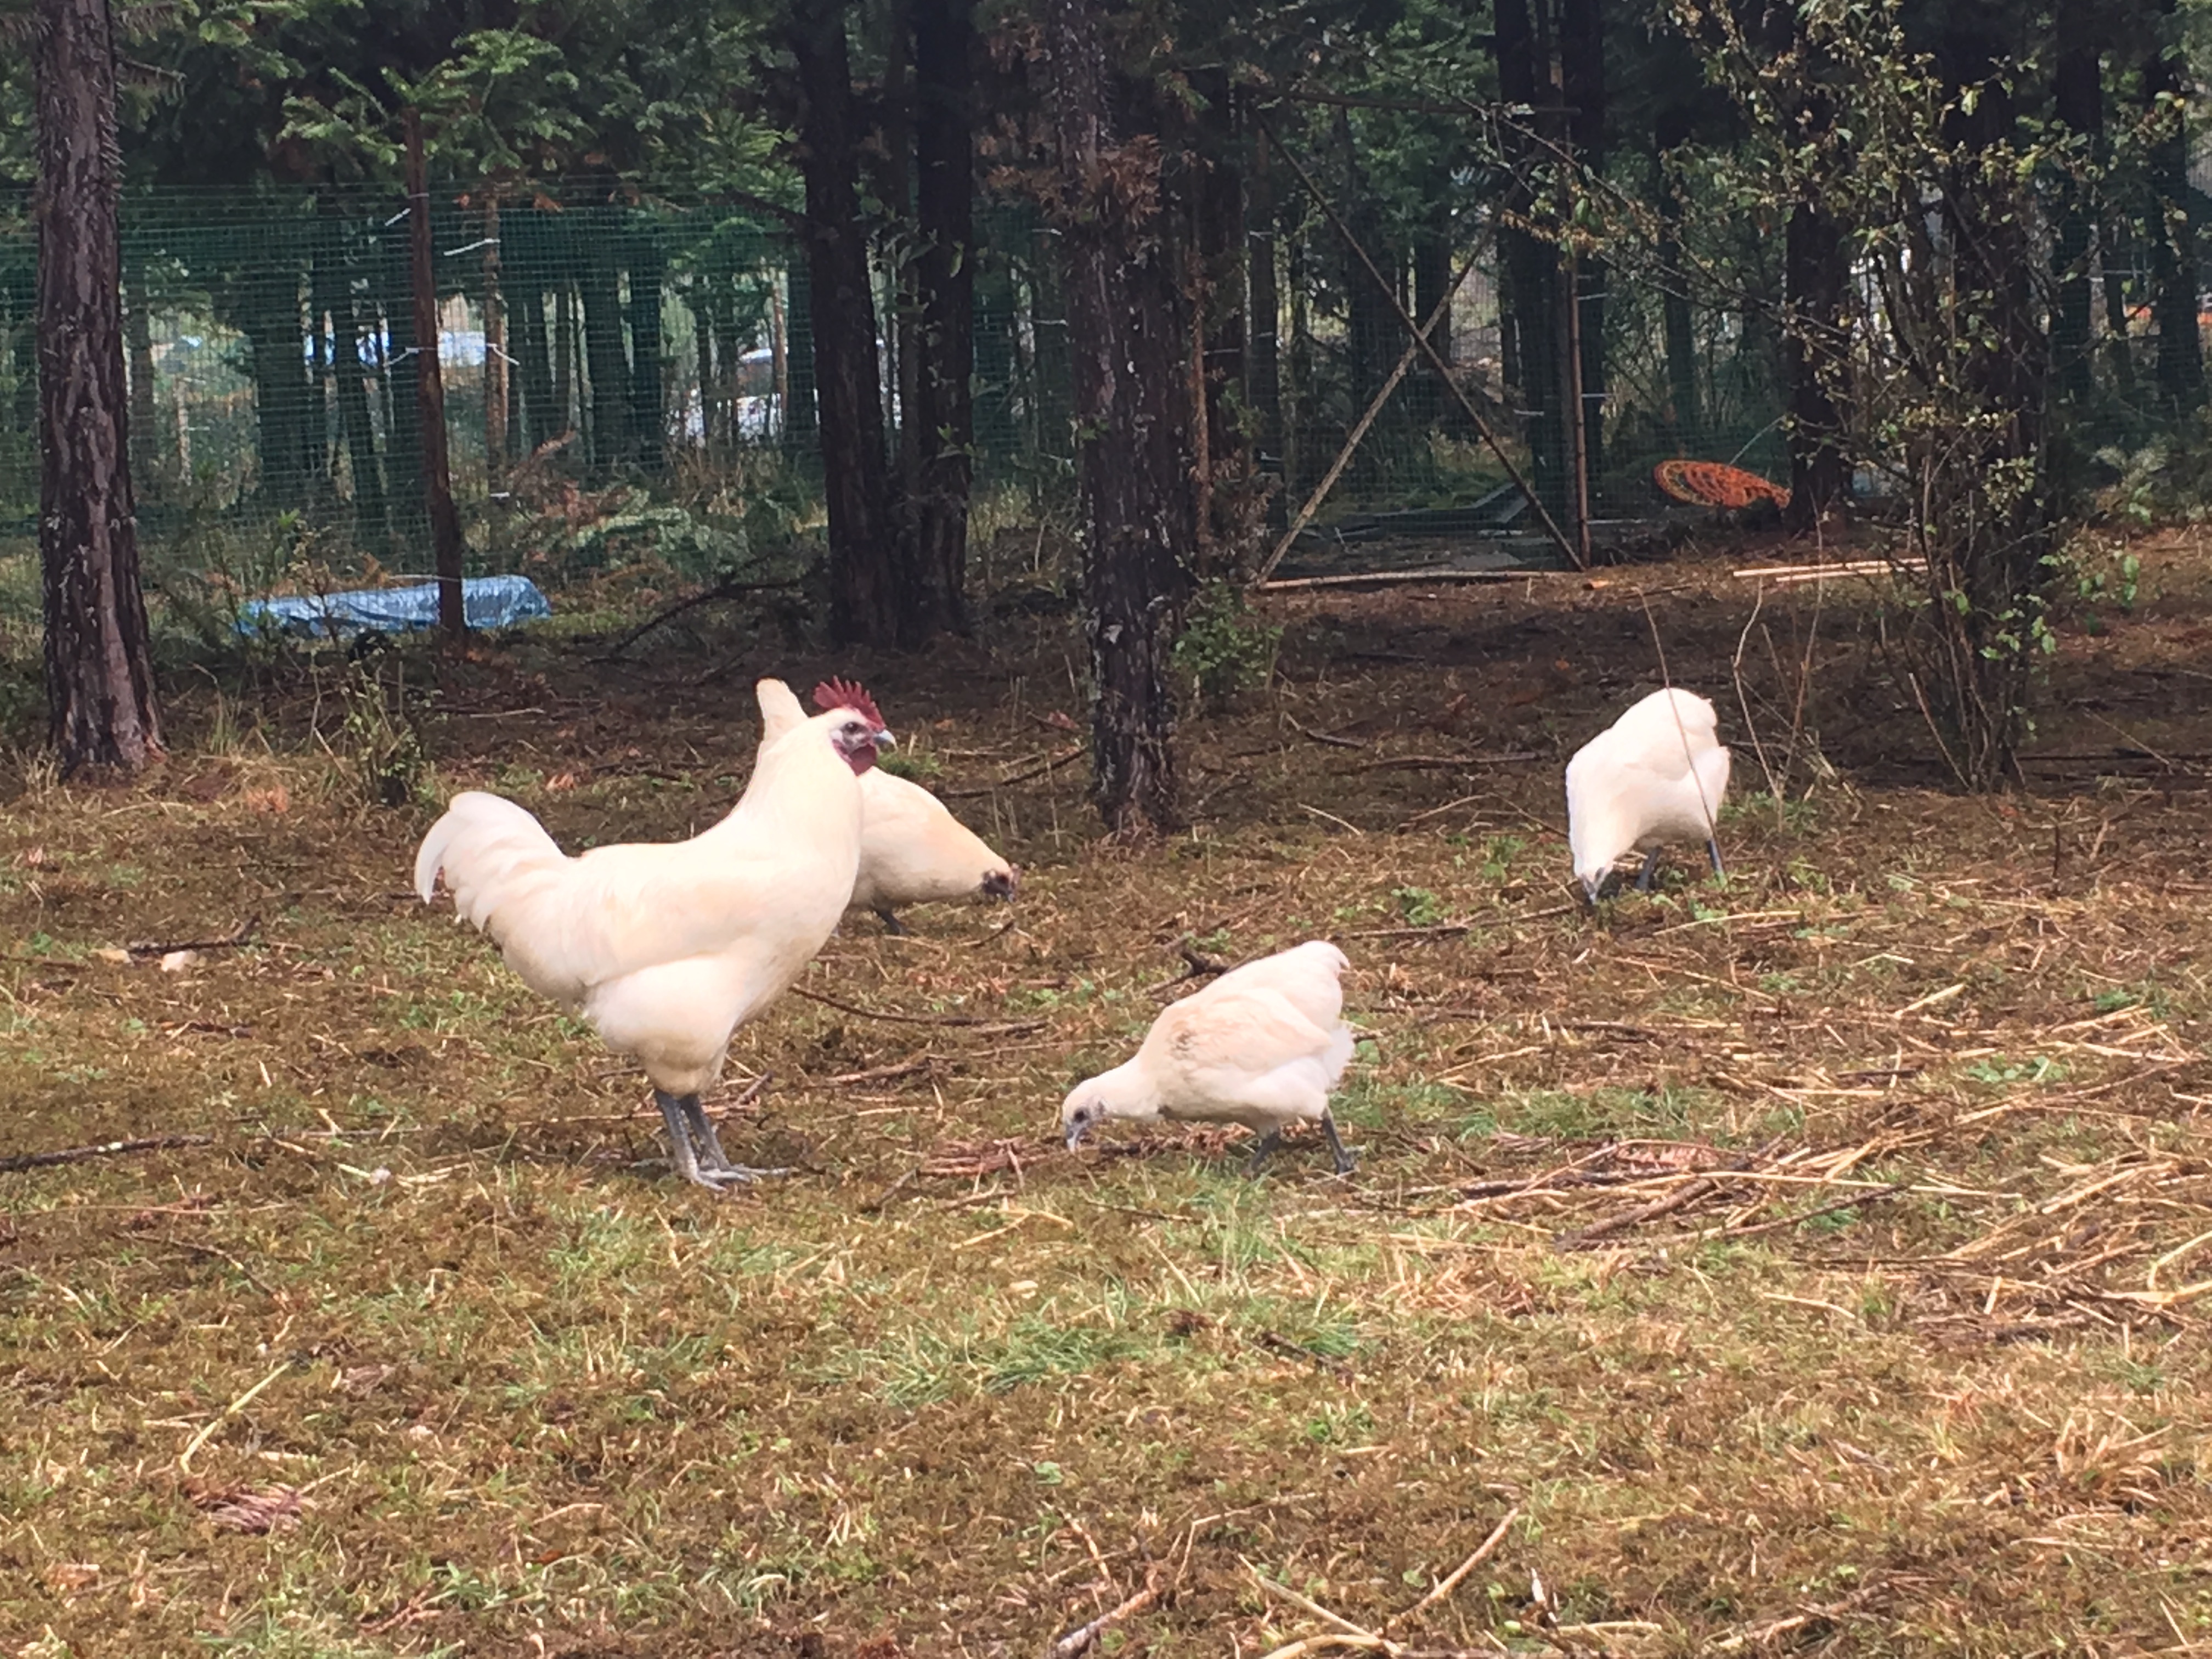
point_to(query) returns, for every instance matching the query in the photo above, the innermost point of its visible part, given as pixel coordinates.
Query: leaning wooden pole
(1429, 350)
(446, 545)
(1358, 433)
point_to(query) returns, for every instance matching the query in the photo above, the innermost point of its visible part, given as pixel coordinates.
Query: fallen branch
(1330, 739)
(1507, 758)
(1582, 1237)
(724, 590)
(242, 934)
(1394, 578)
(106, 1148)
(1079, 1639)
(1038, 770)
(994, 1027)
(1445, 1586)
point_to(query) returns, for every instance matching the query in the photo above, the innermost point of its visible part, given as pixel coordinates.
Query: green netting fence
(658, 342)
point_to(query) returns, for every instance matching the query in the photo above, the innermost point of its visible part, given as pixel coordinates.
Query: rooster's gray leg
(681, 1152)
(714, 1163)
(1713, 852)
(1337, 1149)
(712, 1159)
(1650, 865)
(892, 923)
(1268, 1144)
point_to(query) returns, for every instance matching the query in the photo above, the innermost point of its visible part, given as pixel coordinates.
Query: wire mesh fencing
(644, 359)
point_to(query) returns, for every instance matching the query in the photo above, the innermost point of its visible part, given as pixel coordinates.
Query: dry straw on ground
(1816, 1264)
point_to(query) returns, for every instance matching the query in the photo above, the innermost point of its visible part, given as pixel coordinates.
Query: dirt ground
(1810, 1263)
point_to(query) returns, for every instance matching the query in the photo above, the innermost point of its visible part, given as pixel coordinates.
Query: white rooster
(667, 948)
(1655, 776)
(1261, 1046)
(912, 850)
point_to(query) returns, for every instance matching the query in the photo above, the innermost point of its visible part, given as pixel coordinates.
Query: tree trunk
(1432, 273)
(1684, 420)
(1222, 445)
(1371, 343)
(334, 294)
(648, 404)
(795, 388)
(1813, 324)
(100, 672)
(495, 368)
(944, 415)
(1299, 469)
(533, 357)
(2113, 259)
(446, 545)
(268, 313)
(1132, 459)
(403, 405)
(2174, 237)
(1530, 311)
(2078, 101)
(606, 365)
(566, 411)
(1581, 85)
(1263, 368)
(709, 301)
(864, 599)
(147, 450)
(1812, 296)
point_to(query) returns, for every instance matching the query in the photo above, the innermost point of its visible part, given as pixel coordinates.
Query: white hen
(667, 948)
(1655, 776)
(912, 850)
(1261, 1046)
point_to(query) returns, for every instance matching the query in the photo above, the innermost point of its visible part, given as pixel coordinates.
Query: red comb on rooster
(844, 694)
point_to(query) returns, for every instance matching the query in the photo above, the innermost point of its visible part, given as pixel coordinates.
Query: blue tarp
(488, 602)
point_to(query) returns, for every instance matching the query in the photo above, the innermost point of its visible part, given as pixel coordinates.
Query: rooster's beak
(885, 741)
(1074, 1136)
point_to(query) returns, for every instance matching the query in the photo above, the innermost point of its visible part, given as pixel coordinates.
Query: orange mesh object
(1710, 483)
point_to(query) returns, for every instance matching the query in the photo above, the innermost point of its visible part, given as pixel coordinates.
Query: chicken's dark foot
(1337, 1148)
(1713, 852)
(1268, 1142)
(696, 1151)
(891, 924)
(1650, 867)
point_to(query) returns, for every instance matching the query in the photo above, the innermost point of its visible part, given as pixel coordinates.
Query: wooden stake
(447, 546)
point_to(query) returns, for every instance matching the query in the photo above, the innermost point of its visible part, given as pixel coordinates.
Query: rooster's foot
(696, 1151)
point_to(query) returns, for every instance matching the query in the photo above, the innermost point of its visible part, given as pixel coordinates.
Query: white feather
(1263, 1045)
(666, 948)
(1655, 775)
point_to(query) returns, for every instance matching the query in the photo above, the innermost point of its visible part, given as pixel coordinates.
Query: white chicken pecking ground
(1262, 1046)
(912, 850)
(1655, 776)
(666, 949)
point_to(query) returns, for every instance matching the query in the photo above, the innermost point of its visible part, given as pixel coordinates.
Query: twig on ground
(994, 1027)
(1451, 1582)
(1080, 1638)
(722, 590)
(242, 934)
(1041, 768)
(1330, 739)
(106, 1148)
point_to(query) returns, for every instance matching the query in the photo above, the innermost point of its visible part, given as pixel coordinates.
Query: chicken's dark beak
(1075, 1135)
(885, 741)
(1000, 883)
